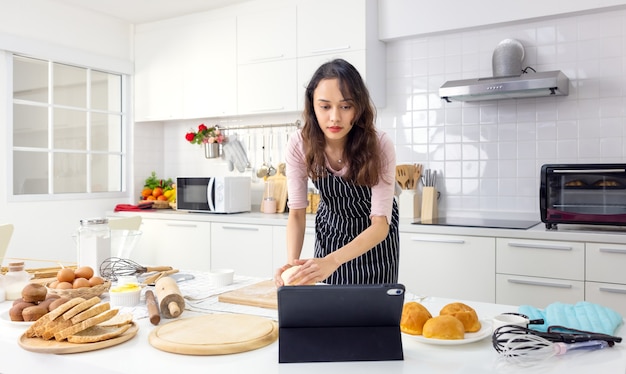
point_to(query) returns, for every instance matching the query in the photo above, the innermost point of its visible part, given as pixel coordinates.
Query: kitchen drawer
(538, 292)
(540, 258)
(607, 294)
(457, 267)
(606, 263)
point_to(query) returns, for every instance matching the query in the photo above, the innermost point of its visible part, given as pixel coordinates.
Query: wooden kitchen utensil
(153, 308)
(402, 176)
(279, 181)
(171, 301)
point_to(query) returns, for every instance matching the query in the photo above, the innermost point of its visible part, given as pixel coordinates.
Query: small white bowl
(120, 296)
(221, 277)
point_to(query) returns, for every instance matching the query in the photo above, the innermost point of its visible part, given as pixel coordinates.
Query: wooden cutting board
(262, 294)
(214, 334)
(280, 189)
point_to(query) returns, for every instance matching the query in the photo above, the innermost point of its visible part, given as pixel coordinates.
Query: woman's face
(334, 112)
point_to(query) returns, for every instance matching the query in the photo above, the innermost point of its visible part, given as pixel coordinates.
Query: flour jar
(94, 243)
(15, 280)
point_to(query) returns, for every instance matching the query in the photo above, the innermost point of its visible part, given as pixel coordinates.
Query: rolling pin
(171, 302)
(153, 308)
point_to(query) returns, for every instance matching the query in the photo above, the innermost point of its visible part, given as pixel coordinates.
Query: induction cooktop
(493, 223)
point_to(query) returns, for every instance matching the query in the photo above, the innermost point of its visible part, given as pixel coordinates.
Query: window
(68, 130)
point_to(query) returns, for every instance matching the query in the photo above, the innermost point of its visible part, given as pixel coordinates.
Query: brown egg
(84, 272)
(64, 286)
(80, 283)
(95, 281)
(66, 275)
(53, 284)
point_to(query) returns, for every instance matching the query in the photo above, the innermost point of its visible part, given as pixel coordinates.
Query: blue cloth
(581, 316)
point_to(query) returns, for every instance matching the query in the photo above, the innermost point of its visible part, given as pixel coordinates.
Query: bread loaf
(444, 327)
(464, 313)
(414, 316)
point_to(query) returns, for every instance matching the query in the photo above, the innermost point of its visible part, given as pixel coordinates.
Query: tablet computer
(340, 322)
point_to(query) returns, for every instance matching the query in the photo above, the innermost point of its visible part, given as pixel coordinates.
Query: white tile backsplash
(490, 153)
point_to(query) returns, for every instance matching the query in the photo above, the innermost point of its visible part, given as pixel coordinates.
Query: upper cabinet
(266, 63)
(185, 68)
(405, 18)
(347, 29)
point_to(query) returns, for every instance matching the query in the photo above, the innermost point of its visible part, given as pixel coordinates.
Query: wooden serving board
(52, 346)
(214, 334)
(261, 294)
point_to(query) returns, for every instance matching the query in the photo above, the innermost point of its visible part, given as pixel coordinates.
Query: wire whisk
(114, 267)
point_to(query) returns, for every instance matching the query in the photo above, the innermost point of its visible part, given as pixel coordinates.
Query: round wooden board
(214, 334)
(52, 346)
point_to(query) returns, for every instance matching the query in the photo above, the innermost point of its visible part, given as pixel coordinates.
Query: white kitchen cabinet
(176, 243)
(280, 245)
(357, 42)
(539, 272)
(457, 267)
(268, 87)
(185, 67)
(245, 248)
(605, 276)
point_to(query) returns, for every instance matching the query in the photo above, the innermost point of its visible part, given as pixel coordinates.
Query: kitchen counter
(582, 233)
(137, 355)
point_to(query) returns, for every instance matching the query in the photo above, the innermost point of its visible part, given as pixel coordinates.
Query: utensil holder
(409, 204)
(429, 204)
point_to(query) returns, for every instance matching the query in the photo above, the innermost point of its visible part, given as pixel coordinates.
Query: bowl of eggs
(79, 282)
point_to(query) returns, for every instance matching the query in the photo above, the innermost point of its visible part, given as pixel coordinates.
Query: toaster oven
(593, 194)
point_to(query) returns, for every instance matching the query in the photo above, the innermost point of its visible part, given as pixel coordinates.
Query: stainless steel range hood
(549, 83)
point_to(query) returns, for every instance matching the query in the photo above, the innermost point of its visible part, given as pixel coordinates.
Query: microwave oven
(222, 194)
(590, 194)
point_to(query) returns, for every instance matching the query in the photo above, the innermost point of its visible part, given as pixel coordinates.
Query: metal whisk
(114, 267)
(522, 345)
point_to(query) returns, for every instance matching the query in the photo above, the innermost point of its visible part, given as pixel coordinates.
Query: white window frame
(125, 138)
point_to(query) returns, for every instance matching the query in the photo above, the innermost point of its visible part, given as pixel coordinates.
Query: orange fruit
(158, 191)
(150, 198)
(146, 192)
(162, 198)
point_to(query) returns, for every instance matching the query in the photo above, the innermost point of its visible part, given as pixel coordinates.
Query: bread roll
(464, 313)
(414, 316)
(15, 313)
(33, 313)
(444, 327)
(34, 293)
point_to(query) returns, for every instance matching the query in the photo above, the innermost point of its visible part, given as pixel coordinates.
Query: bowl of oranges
(79, 282)
(161, 192)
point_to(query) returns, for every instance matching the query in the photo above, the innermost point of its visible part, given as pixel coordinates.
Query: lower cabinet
(605, 276)
(457, 267)
(243, 247)
(539, 272)
(279, 257)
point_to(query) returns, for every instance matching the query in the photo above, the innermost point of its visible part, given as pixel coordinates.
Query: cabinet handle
(326, 50)
(181, 225)
(542, 246)
(613, 250)
(438, 240)
(240, 228)
(542, 284)
(260, 59)
(612, 290)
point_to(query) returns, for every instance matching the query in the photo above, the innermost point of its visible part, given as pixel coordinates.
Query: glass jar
(94, 243)
(15, 280)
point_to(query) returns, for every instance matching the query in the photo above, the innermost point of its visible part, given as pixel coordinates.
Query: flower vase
(211, 150)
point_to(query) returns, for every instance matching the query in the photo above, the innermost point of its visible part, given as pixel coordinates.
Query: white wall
(490, 152)
(45, 28)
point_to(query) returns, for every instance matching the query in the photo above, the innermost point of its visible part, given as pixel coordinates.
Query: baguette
(98, 333)
(81, 307)
(104, 316)
(93, 311)
(40, 326)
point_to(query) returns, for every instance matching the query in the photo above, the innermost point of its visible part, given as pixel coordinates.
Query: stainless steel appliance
(593, 194)
(221, 194)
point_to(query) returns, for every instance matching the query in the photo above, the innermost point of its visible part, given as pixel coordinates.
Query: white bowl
(120, 296)
(221, 277)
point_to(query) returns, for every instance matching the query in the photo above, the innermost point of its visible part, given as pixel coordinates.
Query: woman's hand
(314, 270)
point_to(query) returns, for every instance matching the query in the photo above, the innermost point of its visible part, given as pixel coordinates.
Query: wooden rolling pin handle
(174, 309)
(153, 308)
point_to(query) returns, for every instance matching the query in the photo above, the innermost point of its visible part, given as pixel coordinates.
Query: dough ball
(414, 316)
(445, 327)
(287, 273)
(464, 313)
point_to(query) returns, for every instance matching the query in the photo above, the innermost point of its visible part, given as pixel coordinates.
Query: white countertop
(137, 355)
(565, 232)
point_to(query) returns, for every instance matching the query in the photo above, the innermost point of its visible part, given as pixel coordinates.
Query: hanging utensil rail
(297, 124)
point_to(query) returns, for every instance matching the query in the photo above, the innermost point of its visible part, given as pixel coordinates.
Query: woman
(353, 167)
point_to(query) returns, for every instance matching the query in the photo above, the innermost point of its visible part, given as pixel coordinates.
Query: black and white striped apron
(342, 214)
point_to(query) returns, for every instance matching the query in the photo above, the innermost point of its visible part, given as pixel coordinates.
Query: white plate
(470, 337)
(4, 316)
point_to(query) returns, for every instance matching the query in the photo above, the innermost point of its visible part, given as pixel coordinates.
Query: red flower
(202, 127)
(189, 136)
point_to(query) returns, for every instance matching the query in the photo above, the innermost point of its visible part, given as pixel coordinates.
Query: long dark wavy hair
(361, 151)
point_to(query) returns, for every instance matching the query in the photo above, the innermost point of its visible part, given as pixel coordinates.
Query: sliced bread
(74, 329)
(117, 321)
(98, 333)
(91, 312)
